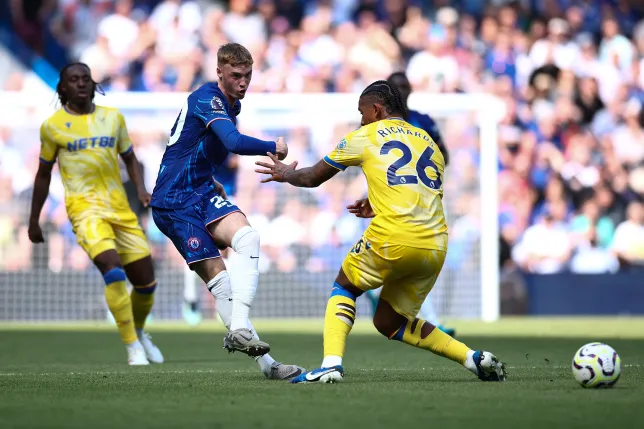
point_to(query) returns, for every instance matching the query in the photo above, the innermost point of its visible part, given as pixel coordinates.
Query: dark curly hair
(61, 96)
(388, 95)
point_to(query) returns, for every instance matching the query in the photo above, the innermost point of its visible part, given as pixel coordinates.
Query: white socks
(245, 243)
(469, 362)
(331, 360)
(219, 287)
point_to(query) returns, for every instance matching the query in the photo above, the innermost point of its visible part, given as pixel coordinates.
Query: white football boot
(136, 354)
(152, 352)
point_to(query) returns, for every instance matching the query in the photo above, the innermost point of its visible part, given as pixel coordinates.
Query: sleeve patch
(218, 105)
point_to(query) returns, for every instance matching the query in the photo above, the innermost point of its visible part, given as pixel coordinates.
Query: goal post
(305, 233)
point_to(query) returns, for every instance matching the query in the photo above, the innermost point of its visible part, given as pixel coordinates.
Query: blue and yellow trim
(146, 289)
(127, 151)
(334, 164)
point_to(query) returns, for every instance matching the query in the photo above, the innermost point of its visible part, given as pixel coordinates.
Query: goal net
(305, 233)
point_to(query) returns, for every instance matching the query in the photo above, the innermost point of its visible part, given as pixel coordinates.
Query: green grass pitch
(75, 376)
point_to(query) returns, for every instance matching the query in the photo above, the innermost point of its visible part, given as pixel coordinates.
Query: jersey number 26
(424, 162)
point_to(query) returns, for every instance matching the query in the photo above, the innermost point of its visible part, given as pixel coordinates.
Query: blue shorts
(187, 227)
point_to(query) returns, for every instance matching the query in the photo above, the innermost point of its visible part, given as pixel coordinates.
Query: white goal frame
(269, 111)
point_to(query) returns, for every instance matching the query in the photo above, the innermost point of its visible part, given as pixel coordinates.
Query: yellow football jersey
(87, 148)
(404, 170)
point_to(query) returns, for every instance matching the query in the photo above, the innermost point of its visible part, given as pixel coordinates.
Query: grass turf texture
(75, 376)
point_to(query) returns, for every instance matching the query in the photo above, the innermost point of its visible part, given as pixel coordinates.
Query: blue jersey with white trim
(194, 152)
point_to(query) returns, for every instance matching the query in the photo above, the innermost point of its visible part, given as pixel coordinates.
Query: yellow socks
(437, 342)
(338, 321)
(142, 298)
(119, 303)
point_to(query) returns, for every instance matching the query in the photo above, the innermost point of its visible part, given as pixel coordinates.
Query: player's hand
(281, 148)
(219, 189)
(35, 233)
(277, 171)
(362, 208)
(144, 197)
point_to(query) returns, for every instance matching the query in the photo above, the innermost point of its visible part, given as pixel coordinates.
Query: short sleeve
(48, 147)
(124, 143)
(210, 108)
(349, 152)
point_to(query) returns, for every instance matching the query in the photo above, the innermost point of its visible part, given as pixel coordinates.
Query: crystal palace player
(87, 139)
(404, 248)
(188, 208)
(425, 122)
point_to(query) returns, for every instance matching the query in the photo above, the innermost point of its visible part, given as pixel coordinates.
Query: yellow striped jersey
(404, 170)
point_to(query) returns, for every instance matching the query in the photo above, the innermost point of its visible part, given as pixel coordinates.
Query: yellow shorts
(119, 231)
(407, 274)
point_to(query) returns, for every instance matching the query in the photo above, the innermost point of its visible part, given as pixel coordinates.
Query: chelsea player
(190, 207)
(403, 249)
(226, 175)
(86, 140)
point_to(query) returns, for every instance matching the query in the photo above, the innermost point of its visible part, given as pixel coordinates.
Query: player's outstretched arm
(241, 144)
(41, 191)
(136, 175)
(309, 177)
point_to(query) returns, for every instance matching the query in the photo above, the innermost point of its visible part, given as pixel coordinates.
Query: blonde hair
(234, 54)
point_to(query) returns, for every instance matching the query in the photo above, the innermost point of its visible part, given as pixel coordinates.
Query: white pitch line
(238, 371)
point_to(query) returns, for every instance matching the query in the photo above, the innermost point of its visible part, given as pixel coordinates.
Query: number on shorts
(175, 133)
(220, 202)
(424, 162)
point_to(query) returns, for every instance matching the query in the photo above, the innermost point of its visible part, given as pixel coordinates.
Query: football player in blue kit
(420, 120)
(190, 208)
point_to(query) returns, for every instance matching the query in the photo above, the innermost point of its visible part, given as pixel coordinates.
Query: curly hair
(61, 81)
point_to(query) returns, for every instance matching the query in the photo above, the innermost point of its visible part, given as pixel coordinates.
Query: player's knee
(146, 289)
(114, 275)
(107, 261)
(246, 241)
(385, 326)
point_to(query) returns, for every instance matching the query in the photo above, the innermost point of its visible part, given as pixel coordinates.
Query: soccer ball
(596, 365)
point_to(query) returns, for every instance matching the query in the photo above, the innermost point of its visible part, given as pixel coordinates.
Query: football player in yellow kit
(403, 250)
(86, 140)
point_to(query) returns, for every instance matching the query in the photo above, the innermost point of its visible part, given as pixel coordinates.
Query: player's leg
(401, 299)
(362, 269)
(235, 232)
(196, 245)
(134, 251)
(213, 272)
(141, 274)
(97, 238)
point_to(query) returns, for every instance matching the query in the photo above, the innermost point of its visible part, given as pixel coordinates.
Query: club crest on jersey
(194, 243)
(217, 105)
(342, 144)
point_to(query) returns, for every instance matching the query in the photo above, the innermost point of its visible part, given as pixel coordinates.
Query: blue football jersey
(193, 153)
(425, 122)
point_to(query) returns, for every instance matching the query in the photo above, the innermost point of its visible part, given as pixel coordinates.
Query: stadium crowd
(571, 73)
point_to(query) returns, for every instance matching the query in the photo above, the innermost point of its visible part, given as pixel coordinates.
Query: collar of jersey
(80, 114)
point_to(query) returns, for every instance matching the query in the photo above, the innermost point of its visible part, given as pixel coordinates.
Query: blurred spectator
(571, 145)
(628, 244)
(545, 247)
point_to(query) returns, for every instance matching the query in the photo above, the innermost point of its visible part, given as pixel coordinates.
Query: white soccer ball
(596, 365)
